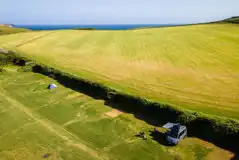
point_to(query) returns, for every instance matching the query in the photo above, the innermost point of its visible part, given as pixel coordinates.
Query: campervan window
(181, 133)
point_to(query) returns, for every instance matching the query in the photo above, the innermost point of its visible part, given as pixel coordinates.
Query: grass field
(8, 30)
(193, 67)
(65, 124)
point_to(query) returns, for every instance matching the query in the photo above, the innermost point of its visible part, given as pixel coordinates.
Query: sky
(115, 11)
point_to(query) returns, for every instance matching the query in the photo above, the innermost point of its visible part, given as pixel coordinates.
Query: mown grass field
(193, 67)
(65, 124)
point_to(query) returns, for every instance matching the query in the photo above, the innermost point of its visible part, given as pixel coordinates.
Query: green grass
(70, 125)
(8, 30)
(194, 67)
(200, 152)
(232, 19)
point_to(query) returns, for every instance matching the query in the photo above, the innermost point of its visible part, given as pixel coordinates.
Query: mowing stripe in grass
(49, 127)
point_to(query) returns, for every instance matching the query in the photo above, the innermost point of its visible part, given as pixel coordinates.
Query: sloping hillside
(193, 67)
(232, 19)
(10, 30)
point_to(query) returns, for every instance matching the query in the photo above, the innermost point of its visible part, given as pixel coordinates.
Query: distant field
(63, 124)
(193, 67)
(8, 30)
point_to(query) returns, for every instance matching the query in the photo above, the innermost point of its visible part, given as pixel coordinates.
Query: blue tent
(52, 86)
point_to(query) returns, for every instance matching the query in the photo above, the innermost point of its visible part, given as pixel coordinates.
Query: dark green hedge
(5, 60)
(223, 132)
(84, 29)
(11, 58)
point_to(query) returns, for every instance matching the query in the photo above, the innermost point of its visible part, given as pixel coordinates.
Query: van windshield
(173, 134)
(174, 131)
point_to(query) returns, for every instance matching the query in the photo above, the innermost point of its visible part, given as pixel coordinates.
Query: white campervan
(175, 133)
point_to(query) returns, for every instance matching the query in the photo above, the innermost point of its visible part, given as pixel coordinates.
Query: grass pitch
(193, 67)
(63, 124)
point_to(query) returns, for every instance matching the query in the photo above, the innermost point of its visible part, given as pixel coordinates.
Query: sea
(97, 27)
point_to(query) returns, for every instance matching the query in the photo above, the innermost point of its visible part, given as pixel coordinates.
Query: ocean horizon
(97, 27)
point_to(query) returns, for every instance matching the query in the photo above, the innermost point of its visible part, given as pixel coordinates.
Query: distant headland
(7, 25)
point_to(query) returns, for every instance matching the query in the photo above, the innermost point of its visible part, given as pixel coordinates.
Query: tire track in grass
(52, 129)
(34, 39)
